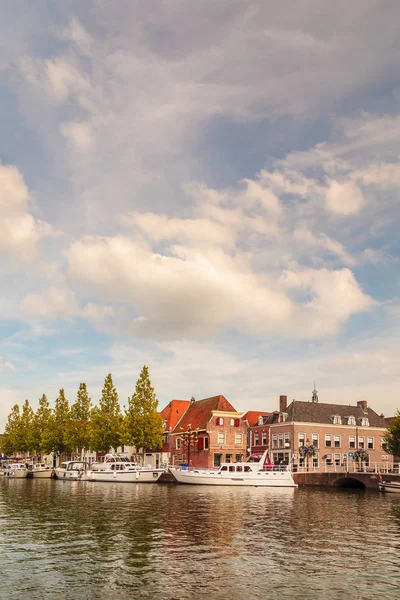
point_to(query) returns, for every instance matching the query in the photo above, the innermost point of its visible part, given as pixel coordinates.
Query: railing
(350, 467)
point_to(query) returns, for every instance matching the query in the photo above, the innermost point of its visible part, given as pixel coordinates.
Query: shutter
(237, 422)
(200, 443)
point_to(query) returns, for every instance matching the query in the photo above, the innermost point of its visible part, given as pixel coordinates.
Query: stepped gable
(199, 413)
(173, 412)
(313, 412)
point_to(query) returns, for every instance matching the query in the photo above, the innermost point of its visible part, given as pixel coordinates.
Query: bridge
(342, 479)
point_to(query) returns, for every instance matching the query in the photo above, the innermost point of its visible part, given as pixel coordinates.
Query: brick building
(210, 431)
(258, 424)
(337, 431)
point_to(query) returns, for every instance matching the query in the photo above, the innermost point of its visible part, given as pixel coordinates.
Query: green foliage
(55, 435)
(392, 437)
(13, 436)
(143, 424)
(41, 423)
(106, 420)
(27, 428)
(78, 429)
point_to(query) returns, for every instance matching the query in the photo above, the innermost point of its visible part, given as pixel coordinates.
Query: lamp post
(189, 438)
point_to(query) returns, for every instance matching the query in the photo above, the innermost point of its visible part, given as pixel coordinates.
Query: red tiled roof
(173, 412)
(252, 416)
(199, 412)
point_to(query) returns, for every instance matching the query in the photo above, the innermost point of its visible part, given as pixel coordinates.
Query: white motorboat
(120, 469)
(41, 471)
(257, 474)
(72, 470)
(389, 486)
(16, 471)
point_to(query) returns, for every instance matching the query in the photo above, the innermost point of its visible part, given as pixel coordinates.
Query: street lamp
(189, 439)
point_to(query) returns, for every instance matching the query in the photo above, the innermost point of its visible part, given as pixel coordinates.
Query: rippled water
(82, 540)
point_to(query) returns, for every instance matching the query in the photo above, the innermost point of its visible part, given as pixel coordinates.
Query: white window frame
(370, 440)
(337, 419)
(221, 438)
(274, 441)
(351, 420)
(352, 441)
(256, 438)
(232, 422)
(328, 438)
(315, 439)
(361, 442)
(337, 438)
(238, 439)
(263, 438)
(302, 439)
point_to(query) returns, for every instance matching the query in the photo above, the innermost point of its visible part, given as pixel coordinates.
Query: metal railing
(349, 467)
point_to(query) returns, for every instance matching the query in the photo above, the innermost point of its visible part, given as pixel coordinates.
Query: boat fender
(115, 474)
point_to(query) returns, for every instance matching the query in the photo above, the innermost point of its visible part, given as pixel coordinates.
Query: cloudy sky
(208, 188)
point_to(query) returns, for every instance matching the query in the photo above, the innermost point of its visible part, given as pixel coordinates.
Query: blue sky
(211, 189)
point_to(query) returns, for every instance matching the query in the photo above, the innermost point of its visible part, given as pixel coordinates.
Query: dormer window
(260, 420)
(282, 417)
(351, 420)
(364, 422)
(336, 419)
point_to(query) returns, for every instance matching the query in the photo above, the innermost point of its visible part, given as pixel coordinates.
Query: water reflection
(110, 541)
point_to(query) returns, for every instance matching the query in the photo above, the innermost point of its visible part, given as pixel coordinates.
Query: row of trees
(68, 428)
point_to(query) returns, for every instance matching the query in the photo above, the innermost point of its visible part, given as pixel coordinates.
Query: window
(256, 438)
(364, 422)
(217, 460)
(315, 461)
(352, 441)
(336, 441)
(337, 460)
(351, 420)
(287, 440)
(178, 443)
(315, 440)
(206, 443)
(302, 440)
(228, 458)
(232, 468)
(361, 441)
(224, 468)
(220, 421)
(221, 437)
(238, 439)
(232, 422)
(260, 420)
(281, 440)
(239, 458)
(239, 468)
(383, 444)
(337, 419)
(264, 438)
(274, 440)
(329, 460)
(328, 440)
(370, 443)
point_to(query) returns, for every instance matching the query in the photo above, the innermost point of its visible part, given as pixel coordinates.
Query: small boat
(72, 470)
(257, 474)
(389, 486)
(41, 471)
(16, 471)
(119, 469)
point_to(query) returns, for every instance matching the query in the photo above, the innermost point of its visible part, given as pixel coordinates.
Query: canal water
(80, 540)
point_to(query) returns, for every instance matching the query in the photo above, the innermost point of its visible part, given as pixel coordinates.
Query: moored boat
(72, 470)
(41, 471)
(16, 471)
(119, 469)
(389, 486)
(257, 474)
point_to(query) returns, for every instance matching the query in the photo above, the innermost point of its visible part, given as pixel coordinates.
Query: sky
(207, 188)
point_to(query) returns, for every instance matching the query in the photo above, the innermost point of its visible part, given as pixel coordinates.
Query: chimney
(363, 405)
(282, 403)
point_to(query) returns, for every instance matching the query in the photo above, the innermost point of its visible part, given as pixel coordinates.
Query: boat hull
(258, 479)
(42, 474)
(392, 488)
(20, 474)
(70, 475)
(151, 476)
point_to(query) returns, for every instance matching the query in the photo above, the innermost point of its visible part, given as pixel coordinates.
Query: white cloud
(344, 198)
(79, 134)
(20, 232)
(6, 364)
(50, 305)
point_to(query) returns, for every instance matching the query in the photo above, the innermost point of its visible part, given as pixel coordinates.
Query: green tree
(143, 424)
(78, 432)
(27, 428)
(13, 435)
(392, 436)
(106, 420)
(41, 423)
(55, 435)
